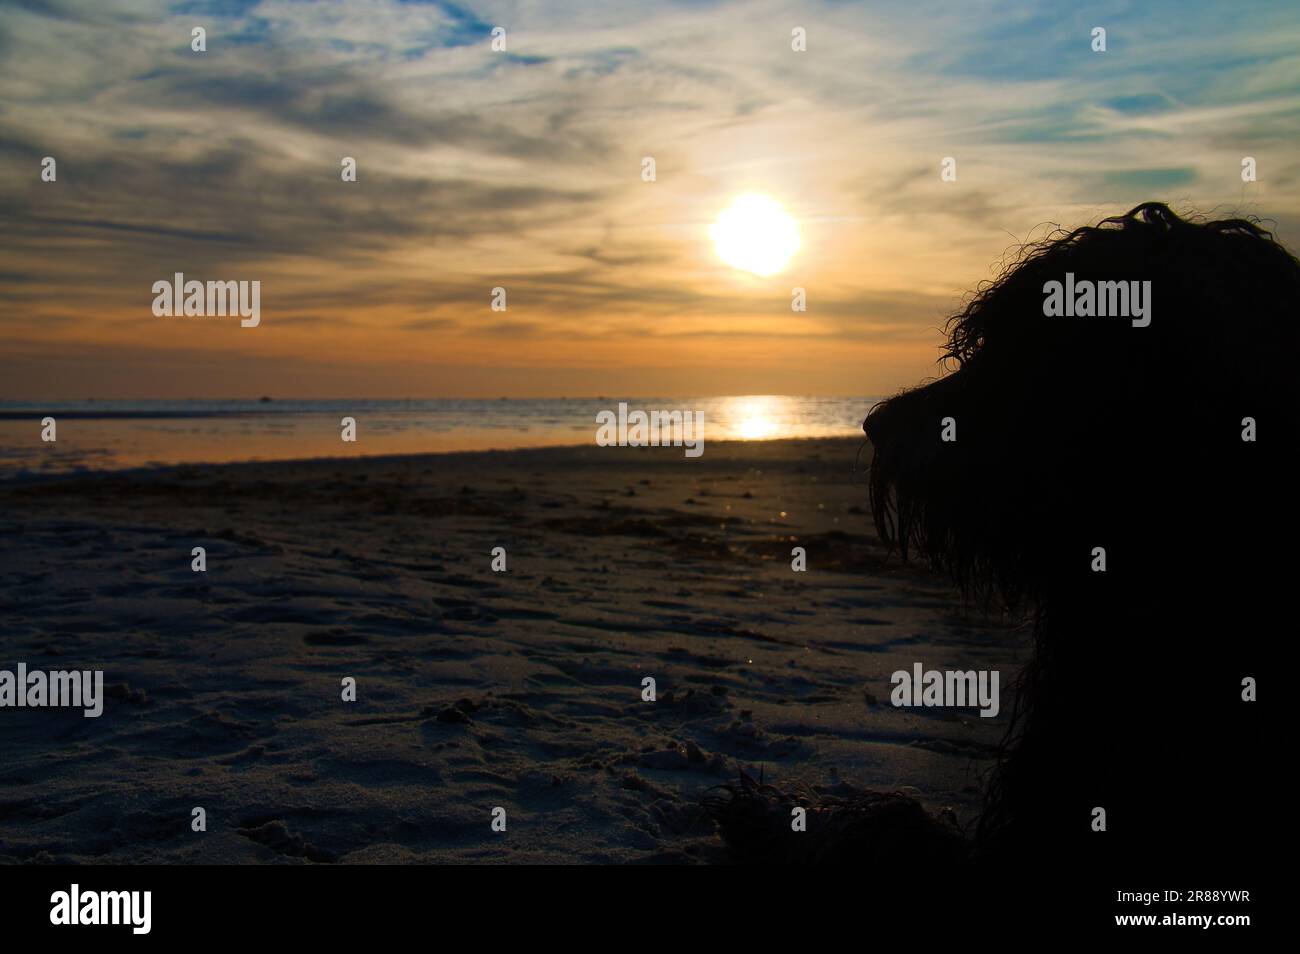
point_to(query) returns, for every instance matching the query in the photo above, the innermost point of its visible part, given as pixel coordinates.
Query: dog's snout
(913, 412)
(877, 422)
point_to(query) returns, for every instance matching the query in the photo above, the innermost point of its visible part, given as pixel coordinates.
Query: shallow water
(109, 435)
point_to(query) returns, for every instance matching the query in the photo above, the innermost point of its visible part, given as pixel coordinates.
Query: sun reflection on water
(756, 418)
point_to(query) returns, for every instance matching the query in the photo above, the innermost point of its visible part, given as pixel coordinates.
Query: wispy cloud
(521, 169)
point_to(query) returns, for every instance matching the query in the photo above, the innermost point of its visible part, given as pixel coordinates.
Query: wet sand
(475, 689)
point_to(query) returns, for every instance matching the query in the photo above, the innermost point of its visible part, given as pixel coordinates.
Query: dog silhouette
(1123, 482)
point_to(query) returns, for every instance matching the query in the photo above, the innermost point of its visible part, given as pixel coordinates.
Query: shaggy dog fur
(1083, 432)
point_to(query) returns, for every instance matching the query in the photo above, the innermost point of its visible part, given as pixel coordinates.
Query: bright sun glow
(755, 420)
(755, 234)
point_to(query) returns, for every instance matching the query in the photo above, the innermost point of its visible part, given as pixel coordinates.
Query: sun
(755, 234)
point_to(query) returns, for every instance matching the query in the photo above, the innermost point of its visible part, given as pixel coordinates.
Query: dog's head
(1053, 433)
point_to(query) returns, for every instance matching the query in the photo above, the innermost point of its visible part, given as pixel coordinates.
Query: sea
(92, 435)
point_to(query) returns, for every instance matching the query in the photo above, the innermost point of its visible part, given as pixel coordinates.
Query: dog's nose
(911, 412)
(874, 423)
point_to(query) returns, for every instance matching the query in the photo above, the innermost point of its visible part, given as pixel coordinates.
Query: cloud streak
(522, 169)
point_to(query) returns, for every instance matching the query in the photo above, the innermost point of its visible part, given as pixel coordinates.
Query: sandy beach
(475, 689)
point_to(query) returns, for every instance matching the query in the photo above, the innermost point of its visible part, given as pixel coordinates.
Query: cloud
(522, 169)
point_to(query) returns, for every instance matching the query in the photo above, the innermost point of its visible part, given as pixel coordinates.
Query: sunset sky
(522, 169)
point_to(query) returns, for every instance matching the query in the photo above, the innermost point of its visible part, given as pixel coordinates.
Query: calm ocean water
(99, 435)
